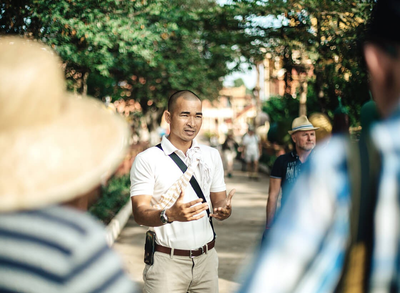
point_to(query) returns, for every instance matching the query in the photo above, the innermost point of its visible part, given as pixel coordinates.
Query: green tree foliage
(132, 49)
(329, 33)
(146, 49)
(113, 197)
(281, 109)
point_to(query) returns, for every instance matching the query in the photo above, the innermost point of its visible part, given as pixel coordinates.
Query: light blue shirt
(305, 249)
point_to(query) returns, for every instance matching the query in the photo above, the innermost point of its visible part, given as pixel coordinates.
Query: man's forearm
(147, 216)
(273, 193)
(218, 199)
(219, 204)
(271, 208)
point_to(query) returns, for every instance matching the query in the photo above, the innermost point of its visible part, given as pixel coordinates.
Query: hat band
(303, 126)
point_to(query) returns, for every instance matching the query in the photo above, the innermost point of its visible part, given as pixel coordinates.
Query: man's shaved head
(186, 94)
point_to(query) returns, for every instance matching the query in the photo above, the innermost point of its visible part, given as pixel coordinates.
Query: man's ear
(168, 117)
(293, 137)
(378, 63)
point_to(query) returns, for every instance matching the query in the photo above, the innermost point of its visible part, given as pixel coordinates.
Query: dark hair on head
(383, 25)
(172, 99)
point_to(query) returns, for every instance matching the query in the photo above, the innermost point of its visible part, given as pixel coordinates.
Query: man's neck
(180, 144)
(303, 155)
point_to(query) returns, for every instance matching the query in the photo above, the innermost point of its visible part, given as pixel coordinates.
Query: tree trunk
(287, 64)
(303, 100)
(84, 83)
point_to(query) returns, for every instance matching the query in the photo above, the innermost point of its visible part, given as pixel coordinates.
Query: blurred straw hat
(53, 146)
(321, 121)
(301, 124)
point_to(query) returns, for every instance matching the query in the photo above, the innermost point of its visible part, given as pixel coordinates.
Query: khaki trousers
(181, 274)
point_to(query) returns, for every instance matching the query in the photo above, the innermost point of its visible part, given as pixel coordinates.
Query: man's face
(304, 140)
(185, 119)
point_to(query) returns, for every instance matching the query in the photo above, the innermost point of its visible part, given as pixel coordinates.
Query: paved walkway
(237, 238)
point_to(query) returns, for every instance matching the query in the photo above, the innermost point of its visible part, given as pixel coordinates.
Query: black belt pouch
(149, 247)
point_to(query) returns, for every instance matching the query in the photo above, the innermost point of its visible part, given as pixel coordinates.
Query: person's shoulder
(337, 144)
(74, 219)
(382, 133)
(208, 149)
(64, 227)
(65, 244)
(151, 150)
(284, 157)
(279, 162)
(209, 153)
(149, 153)
(331, 155)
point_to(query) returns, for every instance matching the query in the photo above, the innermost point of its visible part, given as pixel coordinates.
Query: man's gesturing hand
(184, 212)
(225, 209)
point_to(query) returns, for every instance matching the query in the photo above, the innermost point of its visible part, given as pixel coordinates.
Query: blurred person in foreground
(181, 236)
(54, 149)
(339, 230)
(251, 145)
(287, 167)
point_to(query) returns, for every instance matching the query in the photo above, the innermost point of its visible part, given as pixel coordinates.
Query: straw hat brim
(303, 129)
(58, 161)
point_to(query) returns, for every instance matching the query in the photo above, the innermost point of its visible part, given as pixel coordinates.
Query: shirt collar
(294, 153)
(296, 156)
(169, 148)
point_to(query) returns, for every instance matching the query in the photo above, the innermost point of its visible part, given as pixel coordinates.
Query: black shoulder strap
(193, 181)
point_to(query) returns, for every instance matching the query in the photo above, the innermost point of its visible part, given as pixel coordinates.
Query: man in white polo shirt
(185, 259)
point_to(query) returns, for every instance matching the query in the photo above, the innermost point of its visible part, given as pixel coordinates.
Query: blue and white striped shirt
(305, 249)
(57, 249)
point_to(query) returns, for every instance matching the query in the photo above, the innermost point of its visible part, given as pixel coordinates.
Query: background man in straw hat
(185, 259)
(339, 230)
(287, 167)
(54, 148)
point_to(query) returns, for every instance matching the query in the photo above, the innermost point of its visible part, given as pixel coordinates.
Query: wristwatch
(163, 217)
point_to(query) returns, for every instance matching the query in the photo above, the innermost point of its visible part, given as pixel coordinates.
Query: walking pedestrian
(251, 145)
(339, 230)
(54, 149)
(287, 167)
(179, 251)
(229, 148)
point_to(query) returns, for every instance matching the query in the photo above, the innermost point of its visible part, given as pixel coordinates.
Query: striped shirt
(57, 249)
(305, 249)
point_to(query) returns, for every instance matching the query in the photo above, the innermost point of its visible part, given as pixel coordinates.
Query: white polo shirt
(153, 172)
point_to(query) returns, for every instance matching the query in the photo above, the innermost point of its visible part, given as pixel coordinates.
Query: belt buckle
(200, 248)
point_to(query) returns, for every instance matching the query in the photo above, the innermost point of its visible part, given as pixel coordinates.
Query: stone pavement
(237, 237)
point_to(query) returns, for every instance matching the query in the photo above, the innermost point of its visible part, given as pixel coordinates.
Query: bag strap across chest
(193, 182)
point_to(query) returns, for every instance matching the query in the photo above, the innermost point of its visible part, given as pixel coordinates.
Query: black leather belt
(190, 253)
